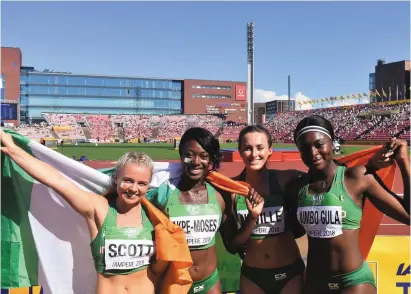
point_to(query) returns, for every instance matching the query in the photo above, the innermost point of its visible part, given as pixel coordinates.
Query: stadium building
(216, 97)
(70, 93)
(278, 106)
(28, 93)
(259, 113)
(390, 81)
(10, 83)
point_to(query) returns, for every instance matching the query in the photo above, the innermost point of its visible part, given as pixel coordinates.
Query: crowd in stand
(360, 122)
(63, 120)
(35, 131)
(107, 128)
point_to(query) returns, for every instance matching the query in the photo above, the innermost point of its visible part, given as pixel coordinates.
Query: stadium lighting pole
(250, 83)
(289, 92)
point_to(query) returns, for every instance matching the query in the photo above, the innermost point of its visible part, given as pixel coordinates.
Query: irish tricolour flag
(43, 240)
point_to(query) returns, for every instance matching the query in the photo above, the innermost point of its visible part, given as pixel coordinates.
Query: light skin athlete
(272, 262)
(130, 184)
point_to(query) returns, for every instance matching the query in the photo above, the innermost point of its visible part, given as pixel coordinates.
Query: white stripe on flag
(61, 235)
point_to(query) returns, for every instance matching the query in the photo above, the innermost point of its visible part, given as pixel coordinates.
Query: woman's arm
(159, 268)
(81, 201)
(228, 228)
(234, 239)
(291, 199)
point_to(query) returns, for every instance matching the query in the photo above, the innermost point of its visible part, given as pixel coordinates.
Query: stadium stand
(65, 126)
(358, 122)
(35, 131)
(108, 128)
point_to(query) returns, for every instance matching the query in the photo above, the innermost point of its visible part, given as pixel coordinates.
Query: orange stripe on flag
(372, 217)
(171, 246)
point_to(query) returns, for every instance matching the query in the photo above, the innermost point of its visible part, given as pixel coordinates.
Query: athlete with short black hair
(328, 201)
(196, 206)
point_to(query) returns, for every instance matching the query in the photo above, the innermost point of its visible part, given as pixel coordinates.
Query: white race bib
(199, 229)
(127, 254)
(270, 221)
(321, 221)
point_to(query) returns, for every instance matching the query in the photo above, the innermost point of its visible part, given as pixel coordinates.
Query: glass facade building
(372, 82)
(8, 110)
(276, 106)
(92, 94)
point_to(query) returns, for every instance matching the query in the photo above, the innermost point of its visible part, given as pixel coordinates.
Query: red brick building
(220, 97)
(10, 74)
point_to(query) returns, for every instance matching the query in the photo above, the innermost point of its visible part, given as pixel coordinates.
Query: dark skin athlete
(274, 251)
(328, 257)
(193, 191)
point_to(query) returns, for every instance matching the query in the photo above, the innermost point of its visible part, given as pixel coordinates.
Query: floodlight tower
(289, 93)
(250, 82)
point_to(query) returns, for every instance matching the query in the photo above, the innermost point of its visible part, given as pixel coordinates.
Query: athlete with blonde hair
(121, 234)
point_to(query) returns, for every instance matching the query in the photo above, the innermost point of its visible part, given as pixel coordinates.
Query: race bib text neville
(270, 221)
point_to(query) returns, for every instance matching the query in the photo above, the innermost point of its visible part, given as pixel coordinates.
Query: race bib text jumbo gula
(321, 221)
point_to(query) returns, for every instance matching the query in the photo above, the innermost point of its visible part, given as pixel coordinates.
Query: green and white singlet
(272, 220)
(327, 214)
(200, 222)
(122, 250)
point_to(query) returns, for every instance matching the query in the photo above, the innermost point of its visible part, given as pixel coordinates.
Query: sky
(328, 48)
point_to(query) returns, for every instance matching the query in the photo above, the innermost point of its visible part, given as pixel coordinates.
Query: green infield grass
(157, 151)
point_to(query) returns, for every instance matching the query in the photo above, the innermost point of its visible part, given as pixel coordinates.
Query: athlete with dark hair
(328, 201)
(196, 206)
(260, 225)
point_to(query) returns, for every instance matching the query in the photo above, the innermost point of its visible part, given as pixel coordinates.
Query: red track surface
(387, 227)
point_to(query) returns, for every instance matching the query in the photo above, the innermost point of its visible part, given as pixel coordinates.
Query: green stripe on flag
(108, 170)
(19, 260)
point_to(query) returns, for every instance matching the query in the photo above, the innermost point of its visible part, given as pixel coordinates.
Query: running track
(388, 226)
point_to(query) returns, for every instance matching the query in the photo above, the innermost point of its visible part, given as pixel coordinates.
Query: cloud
(262, 96)
(300, 97)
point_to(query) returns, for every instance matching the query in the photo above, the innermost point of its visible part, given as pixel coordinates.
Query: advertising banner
(240, 93)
